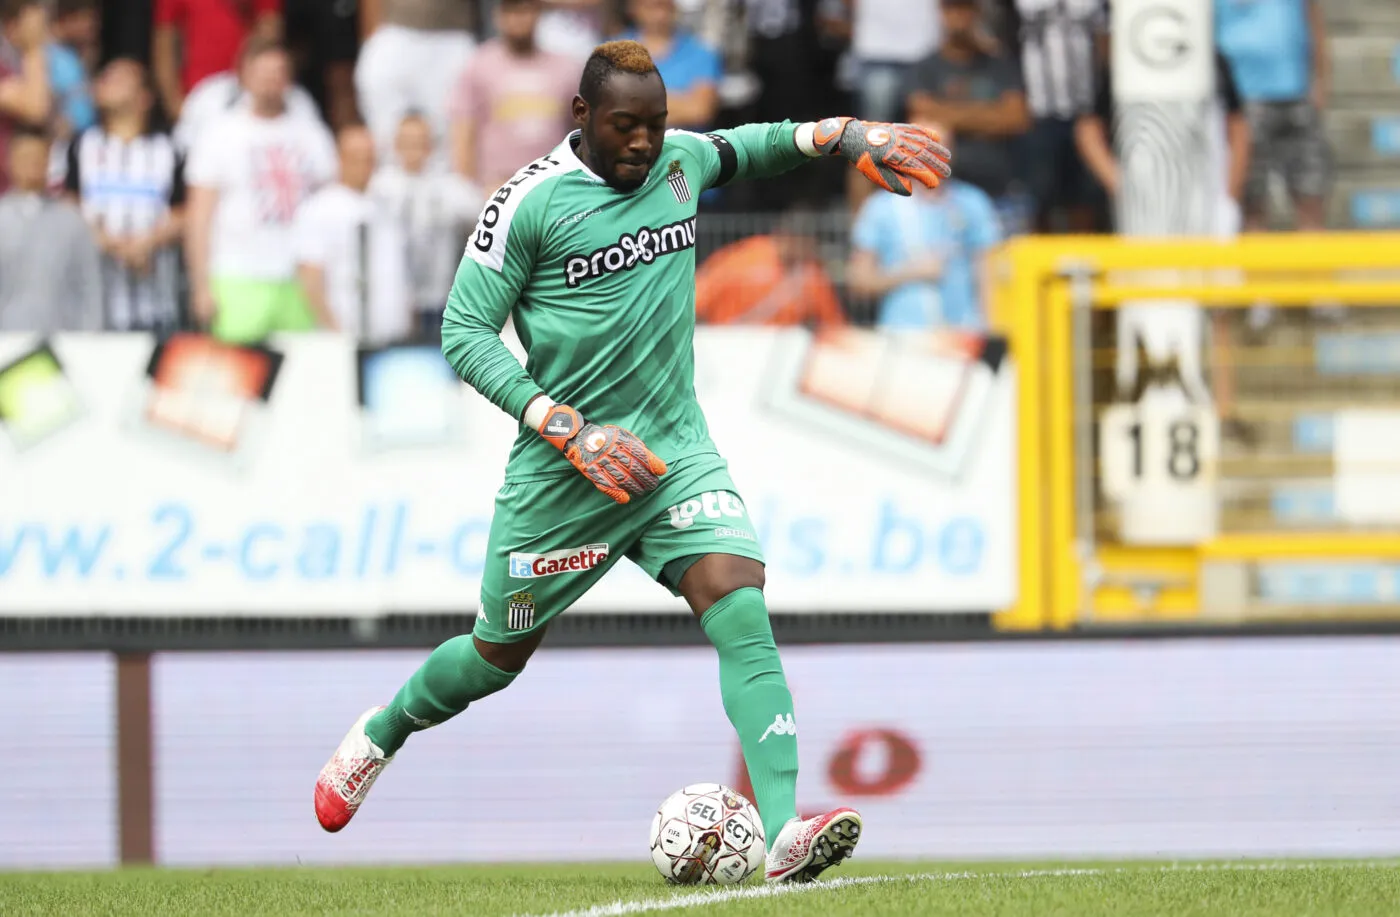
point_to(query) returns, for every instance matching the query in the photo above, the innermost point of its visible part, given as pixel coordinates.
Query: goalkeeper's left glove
(886, 153)
(614, 459)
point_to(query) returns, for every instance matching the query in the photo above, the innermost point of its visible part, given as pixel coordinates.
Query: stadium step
(1363, 202)
(1365, 67)
(1362, 16)
(1367, 140)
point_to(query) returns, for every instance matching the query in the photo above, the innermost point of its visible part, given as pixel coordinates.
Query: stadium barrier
(1254, 483)
(312, 477)
(1122, 749)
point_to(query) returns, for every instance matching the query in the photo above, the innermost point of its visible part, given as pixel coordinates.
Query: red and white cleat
(803, 849)
(345, 780)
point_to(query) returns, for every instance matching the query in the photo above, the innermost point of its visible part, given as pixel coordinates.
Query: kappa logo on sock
(419, 721)
(782, 726)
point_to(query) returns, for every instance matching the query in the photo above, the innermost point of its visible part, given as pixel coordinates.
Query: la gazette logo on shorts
(567, 560)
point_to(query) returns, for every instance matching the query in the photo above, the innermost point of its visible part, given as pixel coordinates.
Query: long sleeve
(490, 279)
(758, 150)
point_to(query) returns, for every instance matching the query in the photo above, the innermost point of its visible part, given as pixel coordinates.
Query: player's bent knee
(715, 576)
(509, 657)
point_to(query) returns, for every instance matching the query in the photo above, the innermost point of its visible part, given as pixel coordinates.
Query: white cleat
(803, 849)
(345, 780)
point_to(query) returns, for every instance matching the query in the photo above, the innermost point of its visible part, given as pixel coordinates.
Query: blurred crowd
(256, 166)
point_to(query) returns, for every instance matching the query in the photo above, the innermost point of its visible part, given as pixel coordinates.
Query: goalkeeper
(592, 249)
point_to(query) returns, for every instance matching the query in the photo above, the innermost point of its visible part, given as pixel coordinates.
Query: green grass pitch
(1235, 888)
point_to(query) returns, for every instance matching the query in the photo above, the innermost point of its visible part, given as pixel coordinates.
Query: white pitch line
(682, 901)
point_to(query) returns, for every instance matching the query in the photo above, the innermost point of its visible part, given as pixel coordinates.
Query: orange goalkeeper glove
(612, 458)
(886, 153)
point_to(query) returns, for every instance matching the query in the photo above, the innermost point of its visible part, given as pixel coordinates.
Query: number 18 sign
(1158, 463)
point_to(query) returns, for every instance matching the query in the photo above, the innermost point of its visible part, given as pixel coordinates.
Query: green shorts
(552, 540)
(250, 310)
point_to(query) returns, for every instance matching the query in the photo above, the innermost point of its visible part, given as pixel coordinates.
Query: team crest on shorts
(520, 613)
(676, 179)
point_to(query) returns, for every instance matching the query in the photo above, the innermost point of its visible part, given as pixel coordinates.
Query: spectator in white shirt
(574, 27)
(247, 177)
(435, 208)
(220, 93)
(350, 252)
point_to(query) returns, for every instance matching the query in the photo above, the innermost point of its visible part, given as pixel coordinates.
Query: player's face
(625, 130)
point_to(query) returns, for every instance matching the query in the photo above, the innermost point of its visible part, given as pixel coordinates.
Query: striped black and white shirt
(128, 188)
(1057, 54)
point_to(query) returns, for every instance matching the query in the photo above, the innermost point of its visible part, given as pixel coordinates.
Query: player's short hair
(611, 58)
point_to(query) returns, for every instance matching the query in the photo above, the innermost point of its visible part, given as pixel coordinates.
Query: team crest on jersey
(676, 179)
(520, 613)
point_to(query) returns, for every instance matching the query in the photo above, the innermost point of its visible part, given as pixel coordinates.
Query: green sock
(453, 677)
(758, 702)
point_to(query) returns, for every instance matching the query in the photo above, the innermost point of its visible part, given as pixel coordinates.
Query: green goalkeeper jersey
(601, 284)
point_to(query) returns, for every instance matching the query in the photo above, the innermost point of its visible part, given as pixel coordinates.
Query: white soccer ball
(706, 834)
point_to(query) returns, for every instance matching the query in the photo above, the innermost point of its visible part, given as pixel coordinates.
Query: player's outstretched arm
(890, 155)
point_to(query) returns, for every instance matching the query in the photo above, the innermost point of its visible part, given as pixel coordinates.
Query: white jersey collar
(564, 152)
(566, 155)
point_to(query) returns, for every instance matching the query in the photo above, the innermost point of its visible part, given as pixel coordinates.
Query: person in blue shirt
(75, 32)
(924, 257)
(1277, 50)
(72, 96)
(690, 68)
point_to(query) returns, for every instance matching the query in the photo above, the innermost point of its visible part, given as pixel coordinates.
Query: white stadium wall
(317, 479)
(1167, 748)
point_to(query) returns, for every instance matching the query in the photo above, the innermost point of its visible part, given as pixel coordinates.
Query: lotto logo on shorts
(715, 504)
(569, 560)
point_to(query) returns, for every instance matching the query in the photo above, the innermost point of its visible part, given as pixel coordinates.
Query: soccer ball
(706, 834)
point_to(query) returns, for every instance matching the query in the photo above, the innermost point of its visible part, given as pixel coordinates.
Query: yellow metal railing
(1039, 283)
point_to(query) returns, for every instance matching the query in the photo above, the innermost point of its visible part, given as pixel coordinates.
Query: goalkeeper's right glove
(612, 458)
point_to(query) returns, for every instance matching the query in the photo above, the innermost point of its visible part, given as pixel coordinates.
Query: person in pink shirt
(512, 103)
